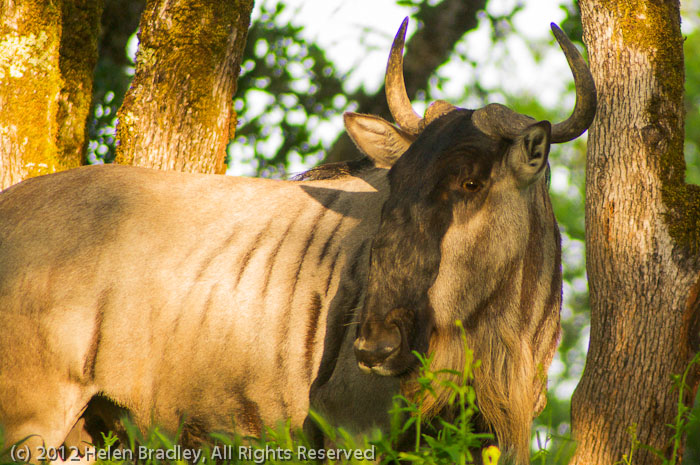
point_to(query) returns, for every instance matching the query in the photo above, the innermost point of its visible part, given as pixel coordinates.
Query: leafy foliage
(449, 442)
(111, 82)
(300, 88)
(692, 102)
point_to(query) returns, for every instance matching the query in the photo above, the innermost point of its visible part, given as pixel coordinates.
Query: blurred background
(307, 62)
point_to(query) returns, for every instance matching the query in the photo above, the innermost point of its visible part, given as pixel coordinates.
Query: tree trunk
(642, 235)
(78, 57)
(48, 51)
(178, 114)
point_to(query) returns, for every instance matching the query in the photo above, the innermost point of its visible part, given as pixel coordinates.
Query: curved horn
(395, 88)
(586, 98)
(498, 120)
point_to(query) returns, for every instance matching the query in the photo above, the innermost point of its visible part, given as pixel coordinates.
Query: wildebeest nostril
(368, 350)
(377, 345)
(371, 353)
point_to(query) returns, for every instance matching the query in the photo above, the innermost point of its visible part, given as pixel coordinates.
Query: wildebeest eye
(470, 186)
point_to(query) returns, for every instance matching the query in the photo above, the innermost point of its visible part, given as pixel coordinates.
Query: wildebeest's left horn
(501, 121)
(395, 88)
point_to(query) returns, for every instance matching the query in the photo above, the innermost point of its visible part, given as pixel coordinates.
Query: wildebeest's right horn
(586, 98)
(395, 88)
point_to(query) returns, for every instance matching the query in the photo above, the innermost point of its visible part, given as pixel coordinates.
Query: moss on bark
(178, 111)
(78, 57)
(47, 56)
(655, 28)
(29, 82)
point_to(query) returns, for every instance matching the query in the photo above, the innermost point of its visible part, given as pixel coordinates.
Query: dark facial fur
(450, 162)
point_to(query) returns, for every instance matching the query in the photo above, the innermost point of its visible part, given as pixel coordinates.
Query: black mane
(335, 170)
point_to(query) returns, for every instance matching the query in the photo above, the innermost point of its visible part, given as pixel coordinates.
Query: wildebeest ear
(380, 140)
(529, 153)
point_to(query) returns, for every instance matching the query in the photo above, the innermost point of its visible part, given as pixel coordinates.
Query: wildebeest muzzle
(383, 346)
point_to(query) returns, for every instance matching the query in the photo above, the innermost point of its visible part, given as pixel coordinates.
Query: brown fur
(132, 286)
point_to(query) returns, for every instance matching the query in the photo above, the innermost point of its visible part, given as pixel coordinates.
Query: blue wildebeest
(209, 301)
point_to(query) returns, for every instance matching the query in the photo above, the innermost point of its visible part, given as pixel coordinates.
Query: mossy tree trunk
(48, 51)
(642, 236)
(178, 113)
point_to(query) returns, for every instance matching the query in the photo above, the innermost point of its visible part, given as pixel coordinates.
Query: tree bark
(78, 57)
(443, 26)
(642, 235)
(178, 112)
(48, 52)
